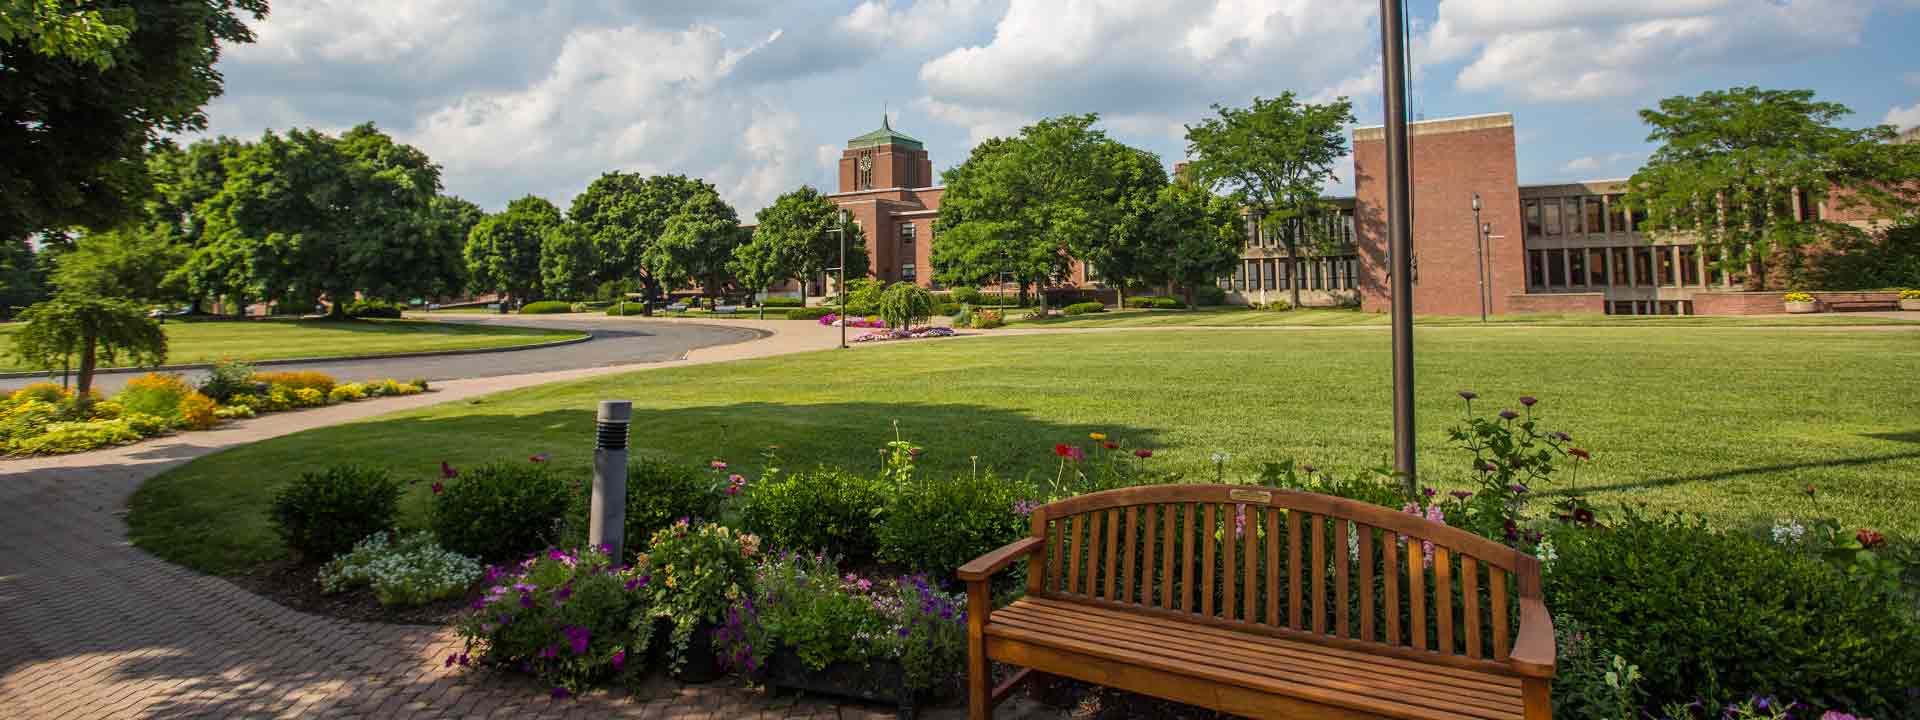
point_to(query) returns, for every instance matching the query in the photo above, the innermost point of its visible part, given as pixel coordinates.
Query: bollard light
(607, 520)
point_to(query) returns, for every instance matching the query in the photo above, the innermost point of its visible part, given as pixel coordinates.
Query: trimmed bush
(822, 509)
(546, 307)
(229, 378)
(1084, 308)
(375, 309)
(658, 493)
(784, 302)
(632, 308)
(156, 394)
(297, 380)
(323, 514)
(812, 313)
(1722, 616)
(938, 525)
(1209, 295)
(45, 392)
(965, 295)
(1156, 302)
(499, 511)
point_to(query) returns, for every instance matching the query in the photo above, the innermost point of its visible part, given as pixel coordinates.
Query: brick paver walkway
(91, 627)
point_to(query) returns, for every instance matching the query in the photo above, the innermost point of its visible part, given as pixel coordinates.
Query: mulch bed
(297, 585)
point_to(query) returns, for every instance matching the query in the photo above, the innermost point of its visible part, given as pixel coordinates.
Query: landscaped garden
(1241, 316)
(1789, 580)
(256, 340)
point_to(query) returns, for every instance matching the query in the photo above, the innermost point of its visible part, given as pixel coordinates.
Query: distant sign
(493, 306)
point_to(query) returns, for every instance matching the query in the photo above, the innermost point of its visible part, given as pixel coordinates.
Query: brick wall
(1767, 303)
(1451, 160)
(1556, 303)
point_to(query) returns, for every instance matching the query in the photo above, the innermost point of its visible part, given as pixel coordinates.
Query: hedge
(546, 307)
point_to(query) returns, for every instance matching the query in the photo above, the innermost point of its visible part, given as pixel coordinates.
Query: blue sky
(515, 97)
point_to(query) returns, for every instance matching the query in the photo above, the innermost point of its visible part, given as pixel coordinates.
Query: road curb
(337, 358)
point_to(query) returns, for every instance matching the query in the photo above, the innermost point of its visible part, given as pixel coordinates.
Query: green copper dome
(884, 136)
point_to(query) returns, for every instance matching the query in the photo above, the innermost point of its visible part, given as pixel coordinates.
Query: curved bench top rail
(1450, 537)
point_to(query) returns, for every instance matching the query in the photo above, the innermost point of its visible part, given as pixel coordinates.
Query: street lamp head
(1476, 202)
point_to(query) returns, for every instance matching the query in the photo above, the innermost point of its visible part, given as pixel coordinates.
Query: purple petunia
(1508, 414)
(1461, 494)
(560, 693)
(1528, 400)
(619, 658)
(563, 593)
(1518, 488)
(577, 638)
(450, 660)
(526, 600)
(550, 651)
(1468, 395)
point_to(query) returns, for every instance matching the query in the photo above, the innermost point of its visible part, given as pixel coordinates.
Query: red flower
(1062, 450)
(542, 457)
(1110, 446)
(1579, 453)
(439, 488)
(447, 471)
(1143, 453)
(1809, 491)
(1869, 539)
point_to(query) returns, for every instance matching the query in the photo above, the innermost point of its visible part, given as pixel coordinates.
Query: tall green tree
(792, 238)
(135, 261)
(1199, 236)
(1274, 157)
(450, 220)
(1128, 250)
(503, 251)
(567, 262)
(22, 276)
(88, 329)
(1026, 206)
(697, 245)
(80, 101)
(1735, 166)
(624, 214)
(758, 264)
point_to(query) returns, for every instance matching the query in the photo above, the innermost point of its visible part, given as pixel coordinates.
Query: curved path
(616, 341)
(91, 627)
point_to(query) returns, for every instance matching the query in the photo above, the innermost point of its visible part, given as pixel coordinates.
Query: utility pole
(1480, 255)
(1393, 50)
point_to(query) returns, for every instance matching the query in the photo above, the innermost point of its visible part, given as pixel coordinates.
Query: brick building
(1568, 247)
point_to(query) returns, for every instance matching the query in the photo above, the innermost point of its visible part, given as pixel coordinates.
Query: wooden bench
(1863, 304)
(1316, 607)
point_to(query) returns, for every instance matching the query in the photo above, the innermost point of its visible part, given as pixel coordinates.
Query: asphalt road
(616, 341)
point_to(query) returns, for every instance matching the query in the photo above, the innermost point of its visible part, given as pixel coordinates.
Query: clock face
(866, 162)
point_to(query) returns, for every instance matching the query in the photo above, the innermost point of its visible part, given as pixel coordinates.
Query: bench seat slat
(1433, 703)
(1281, 659)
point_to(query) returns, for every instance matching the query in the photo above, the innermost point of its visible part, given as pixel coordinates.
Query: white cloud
(1589, 163)
(1573, 50)
(1151, 64)
(1903, 117)
(885, 24)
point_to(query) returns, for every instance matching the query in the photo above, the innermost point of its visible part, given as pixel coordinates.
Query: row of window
(1330, 273)
(1579, 215)
(1645, 266)
(1336, 226)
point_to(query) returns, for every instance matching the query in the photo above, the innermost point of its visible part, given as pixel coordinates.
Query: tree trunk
(1190, 305)
(84, 388)
(1120, 296)
(1293, 273)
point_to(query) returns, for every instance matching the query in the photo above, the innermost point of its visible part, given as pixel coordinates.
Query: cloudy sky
(516, 96)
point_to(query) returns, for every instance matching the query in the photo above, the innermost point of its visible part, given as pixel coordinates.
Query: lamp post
(1480, 256)
(1393, 25)
(1486, 266)
(840, 229)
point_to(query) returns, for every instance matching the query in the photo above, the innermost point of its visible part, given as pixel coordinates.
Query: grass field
(1729, 423)
(200, 342)
(1321, 317)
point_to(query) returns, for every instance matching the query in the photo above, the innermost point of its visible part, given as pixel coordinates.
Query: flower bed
(912, 334)
(870, 321)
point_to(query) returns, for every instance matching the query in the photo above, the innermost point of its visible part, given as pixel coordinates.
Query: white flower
(1788, 532)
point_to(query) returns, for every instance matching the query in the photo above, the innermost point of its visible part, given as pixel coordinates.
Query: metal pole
(1486, 268)
(607, 519)
(1480, 257)
(842, 230)
(1399, 234)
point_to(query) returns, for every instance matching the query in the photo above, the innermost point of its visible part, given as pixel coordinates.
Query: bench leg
(979, 671)
(1537, 694)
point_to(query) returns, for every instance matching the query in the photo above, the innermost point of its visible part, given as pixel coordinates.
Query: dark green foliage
(964, 295)
(812, 313)
(322, 514)
(88, 330)
(1209, 295)
(904, 305)
(784, 302)
(1083, 308)
(503, 250)
(938, 525)
(1156, 302)
(946, 309)
(546, 307)
(823, 509)
(500, 511)
(375, 309)
(625, 309)
(1721, 616)
(658, 493)
(1870, 261)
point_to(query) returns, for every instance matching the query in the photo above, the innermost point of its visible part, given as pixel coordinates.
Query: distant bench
(1862, 304)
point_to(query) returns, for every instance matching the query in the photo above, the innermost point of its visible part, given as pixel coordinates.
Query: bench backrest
(1287, 563)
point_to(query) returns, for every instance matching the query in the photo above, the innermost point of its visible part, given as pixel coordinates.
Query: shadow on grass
(1910, 436)
(1764, 469)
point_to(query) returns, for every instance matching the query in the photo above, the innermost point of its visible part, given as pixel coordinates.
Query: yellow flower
(671, 582)
(1096, 436)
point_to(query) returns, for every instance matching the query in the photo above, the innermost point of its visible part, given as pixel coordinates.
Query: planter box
(1803, 307)
(880, 682)
(1913, 304)
(702, 661)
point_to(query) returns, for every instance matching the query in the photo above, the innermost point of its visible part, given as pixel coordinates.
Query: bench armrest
(987, 565)
(1533, 651)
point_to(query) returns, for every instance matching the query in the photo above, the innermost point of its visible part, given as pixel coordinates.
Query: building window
(1536, 268)
(1634, 219)
(1597, 267)
(1577, 270)
(1643, 267)
(908, 272)
(1713, 269)
(1622, 274)
(1616, 213)
(1550, 220)
(1574, 226)
(906, 238)
(1319, 274)
(1271, 273)
(1664, 256)
(1557, 268)
(1351, 267)
(1239, 277)
(1689, 266)
(1596, 223)
(1533, 218)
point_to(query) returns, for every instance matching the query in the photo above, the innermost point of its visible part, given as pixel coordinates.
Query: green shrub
(822, 509)
(28, 417)
(375, 309)
(229, 378)
(946, 309)
(1083, 308)
(937, 525)
(323, 514)
(697, 573)
(1209, 295)
(571, 619)
(965, 295)
(546, 307)
(812, 313)
(500, 511)
(658, 493)
(784, 302)
(632, 308)
(904, 305)
(988, 319)
(1721, 616)
(58, 438)
(411, 571)
(156, 394)
(963, 317)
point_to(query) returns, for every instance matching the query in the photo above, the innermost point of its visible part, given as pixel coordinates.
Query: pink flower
(439, 488)
(447, 471)
(1076, 453)
(619, 658)
(1143, 453)
(718, 465)
(542, 457)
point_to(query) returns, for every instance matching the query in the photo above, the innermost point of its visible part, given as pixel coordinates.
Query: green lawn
(1731, 423)
(252, 340)
(1322, 317)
